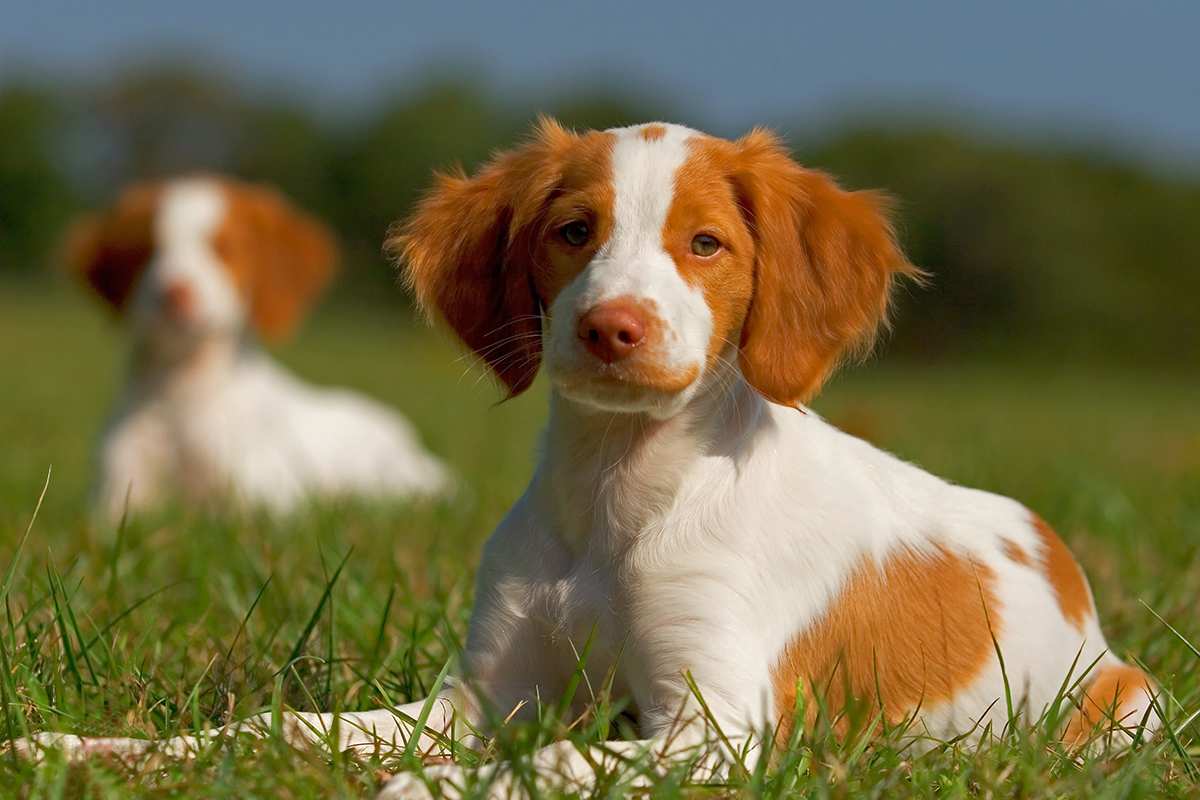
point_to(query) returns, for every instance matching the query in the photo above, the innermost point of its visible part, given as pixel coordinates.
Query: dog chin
(607, 394)
(174, 336)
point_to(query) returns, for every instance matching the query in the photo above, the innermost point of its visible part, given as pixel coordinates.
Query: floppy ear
(824, 265)
(283, 258)
(110, 249)
(468, 249)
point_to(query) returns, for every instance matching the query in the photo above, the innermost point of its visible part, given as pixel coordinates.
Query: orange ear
(825, 262)
(468, 250)
(109, 250)
(282, 257)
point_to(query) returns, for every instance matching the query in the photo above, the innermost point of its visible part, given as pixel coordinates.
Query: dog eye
(704, 245)
(575, 233)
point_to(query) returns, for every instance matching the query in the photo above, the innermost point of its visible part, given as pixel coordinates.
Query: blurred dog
(201, 267)
(721, 557)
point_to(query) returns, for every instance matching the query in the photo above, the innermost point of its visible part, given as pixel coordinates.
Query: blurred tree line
(1074, 253)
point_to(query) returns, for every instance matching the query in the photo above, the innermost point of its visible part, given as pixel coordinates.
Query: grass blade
(298, 648)
(426, 708)
(16, 557)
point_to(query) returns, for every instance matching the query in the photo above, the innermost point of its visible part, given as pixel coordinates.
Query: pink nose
(178, 299)
(612, 330)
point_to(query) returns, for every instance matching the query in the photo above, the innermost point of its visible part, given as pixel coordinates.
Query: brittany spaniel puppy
(731, 561)
(199, 266)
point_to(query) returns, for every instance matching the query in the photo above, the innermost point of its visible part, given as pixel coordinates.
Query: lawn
(178, 621)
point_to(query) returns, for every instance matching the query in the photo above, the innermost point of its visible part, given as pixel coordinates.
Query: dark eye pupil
(704, 245)
(576, 233)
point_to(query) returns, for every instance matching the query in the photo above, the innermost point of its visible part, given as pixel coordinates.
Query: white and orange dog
(199, 266)
(709, 536)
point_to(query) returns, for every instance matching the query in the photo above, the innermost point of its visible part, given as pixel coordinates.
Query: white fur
(206, 416)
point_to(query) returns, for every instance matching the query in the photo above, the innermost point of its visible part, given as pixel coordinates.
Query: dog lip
(628, 377)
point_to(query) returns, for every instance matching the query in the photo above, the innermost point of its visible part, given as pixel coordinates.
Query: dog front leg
(694, 752)
(385, 731)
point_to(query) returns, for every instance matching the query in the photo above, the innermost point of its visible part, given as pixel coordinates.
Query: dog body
(692, 531)
(757, 548)
(244, 429)
(205, 413)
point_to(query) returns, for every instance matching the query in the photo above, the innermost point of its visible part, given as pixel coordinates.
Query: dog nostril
(177, 294)
(611, 331)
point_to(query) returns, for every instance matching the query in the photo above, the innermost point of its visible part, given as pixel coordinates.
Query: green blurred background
(1036, 247)
(1047, 182)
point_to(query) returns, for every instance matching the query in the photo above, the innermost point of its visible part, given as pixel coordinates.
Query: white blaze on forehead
(633, 261)
(644, 186)
(189, 210)
(189, 215)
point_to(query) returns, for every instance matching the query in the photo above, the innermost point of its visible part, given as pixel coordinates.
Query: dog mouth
(625, 386)
(176, 321)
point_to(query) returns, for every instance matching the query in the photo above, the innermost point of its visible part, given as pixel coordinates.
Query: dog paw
(448, 782)
(72, 747)
(438, 780)
(80, 748)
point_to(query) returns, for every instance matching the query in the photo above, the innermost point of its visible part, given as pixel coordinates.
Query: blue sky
(1124, 74)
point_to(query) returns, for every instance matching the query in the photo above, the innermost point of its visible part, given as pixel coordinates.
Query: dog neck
(187, 368)
(608, 477)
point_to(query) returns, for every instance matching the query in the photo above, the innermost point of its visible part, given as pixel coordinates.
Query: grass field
(178, 622)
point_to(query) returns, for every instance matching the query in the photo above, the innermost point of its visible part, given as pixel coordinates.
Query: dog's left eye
(575, 233)
(704, 245)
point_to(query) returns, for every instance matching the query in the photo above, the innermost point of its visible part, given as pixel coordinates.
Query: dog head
(189, 258)
(637, 261)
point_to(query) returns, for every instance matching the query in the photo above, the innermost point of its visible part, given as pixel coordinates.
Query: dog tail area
(1114, 709)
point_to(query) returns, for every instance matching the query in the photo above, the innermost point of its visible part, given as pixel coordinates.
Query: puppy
(201, 267)
(733, 562)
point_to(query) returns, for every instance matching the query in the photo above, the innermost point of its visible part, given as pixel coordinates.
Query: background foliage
(1074, 252)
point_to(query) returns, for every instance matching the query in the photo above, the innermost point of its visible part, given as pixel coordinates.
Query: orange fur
(1063, 572)
(825, 262)
(110, 249)
(280, 257)
(1104, 702)
(482, 252)
(910, 633)
(704, 202)
(1016, 554)
(584, 191)
(652, 133)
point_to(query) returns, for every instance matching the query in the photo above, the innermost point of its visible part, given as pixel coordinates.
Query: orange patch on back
(909, 634)
(1063, 572)
(1107, 699)
(652, 133)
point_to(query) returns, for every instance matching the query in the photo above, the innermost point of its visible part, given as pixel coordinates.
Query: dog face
(636, 262)
(191, 258)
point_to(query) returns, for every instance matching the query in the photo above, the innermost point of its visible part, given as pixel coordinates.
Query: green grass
(178, 622)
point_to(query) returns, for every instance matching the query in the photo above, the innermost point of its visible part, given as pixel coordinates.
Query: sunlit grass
(176, 622)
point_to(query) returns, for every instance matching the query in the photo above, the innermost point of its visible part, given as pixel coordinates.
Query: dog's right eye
(575, 233)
